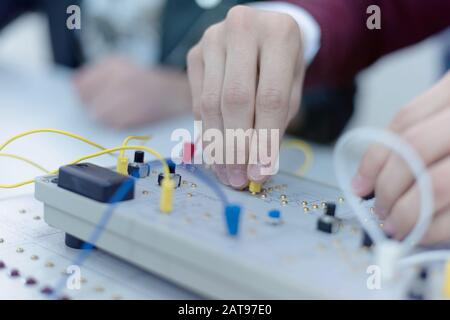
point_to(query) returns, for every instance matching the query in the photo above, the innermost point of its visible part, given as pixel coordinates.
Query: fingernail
(360, 185)
(389, 228)
(380, 211)
(237, 176)
(254, 172)
(221, 173)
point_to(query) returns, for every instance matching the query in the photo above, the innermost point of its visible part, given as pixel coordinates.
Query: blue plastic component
(172, 166)
(139, 170)
(274, 214)
(232, 217)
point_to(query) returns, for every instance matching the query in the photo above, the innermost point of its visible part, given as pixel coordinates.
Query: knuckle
(236, 96)
(271, 100)
(283, 26)
(193, 55)
(212, 38)
(210, 104)
(237, 15)
(286, 23)
(238, 12)
(211, 33)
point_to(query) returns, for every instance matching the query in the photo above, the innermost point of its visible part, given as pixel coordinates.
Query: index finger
(277, 69)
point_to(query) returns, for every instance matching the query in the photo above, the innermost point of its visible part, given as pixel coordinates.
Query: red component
(188, 152)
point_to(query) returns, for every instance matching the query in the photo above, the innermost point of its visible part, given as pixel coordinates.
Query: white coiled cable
(362, 137)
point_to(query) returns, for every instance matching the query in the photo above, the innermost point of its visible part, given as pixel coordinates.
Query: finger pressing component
(277, 64)
(238, 100)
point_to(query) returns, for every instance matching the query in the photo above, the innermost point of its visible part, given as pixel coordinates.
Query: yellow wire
(46, 130)
(30, 162)
(143, 148)
(306, 149)
(128, 139)
(97, 154)
(56, 131)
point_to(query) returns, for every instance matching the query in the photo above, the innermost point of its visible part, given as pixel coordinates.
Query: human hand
(247, 73)
(425, 125)
(121, 94)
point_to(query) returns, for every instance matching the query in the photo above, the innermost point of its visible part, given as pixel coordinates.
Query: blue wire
(120, 193)
(88, 246)
(196, 169)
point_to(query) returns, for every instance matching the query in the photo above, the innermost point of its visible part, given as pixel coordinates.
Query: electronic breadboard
(285, 258)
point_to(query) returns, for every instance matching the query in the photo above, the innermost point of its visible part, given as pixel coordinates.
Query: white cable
(424, 257)
(409, 155)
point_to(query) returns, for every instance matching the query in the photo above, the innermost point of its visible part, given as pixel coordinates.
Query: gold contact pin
(254, 187)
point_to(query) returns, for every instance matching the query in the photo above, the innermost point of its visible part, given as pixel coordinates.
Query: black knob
(423, 273)
(139, 156)
(330, 209)
(327, 224)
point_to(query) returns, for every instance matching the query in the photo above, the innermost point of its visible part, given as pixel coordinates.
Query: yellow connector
(254, 187)
(122, 160)
(167, 187)
(447, 280)
(122, 165)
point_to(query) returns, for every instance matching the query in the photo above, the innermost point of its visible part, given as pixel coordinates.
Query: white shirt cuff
(307, 24)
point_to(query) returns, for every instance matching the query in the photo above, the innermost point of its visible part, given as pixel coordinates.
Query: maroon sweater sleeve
(347, 45)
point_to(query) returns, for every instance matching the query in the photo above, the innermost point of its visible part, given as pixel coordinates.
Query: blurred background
(106, 99)
(382, 89)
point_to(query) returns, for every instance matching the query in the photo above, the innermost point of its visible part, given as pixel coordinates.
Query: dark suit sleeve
(11, 9)
(348, 46)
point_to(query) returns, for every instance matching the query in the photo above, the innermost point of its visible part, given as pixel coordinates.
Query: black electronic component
(174, 176)
(330, 209)
(418, 289)
(92, 181)
(423, 273)
(367, 241)
(327, 224)
(75, 243)
(139, 156)
(370, 196)
(138, 170)
(172, 166)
